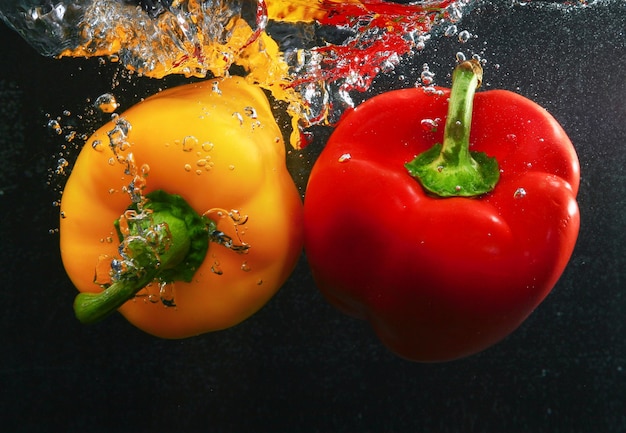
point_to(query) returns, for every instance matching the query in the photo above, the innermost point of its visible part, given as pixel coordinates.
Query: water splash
(308, 54)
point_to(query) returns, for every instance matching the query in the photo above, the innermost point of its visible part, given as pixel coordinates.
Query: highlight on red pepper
(184, 210)
(445, 217)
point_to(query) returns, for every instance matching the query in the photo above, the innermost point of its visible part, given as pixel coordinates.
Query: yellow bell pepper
(184, 210)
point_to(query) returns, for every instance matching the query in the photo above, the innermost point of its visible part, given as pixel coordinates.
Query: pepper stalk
(166, 241)
(450, 169)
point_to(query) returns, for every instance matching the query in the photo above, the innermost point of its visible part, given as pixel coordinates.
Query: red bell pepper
(445, 253)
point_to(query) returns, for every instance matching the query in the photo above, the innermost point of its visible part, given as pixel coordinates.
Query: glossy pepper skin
(217, 145)
(441, 278)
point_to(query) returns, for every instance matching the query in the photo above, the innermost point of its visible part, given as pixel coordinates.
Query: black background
(298, 365)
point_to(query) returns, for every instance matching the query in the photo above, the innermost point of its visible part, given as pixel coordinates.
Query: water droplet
(166, 294)
(189, 143)
(118, 135)
(97, 146)
(250, 112)
(237, 217)
(106, 103)
(207, 146)
(430, 125)
(216, 269)
(245, 267)
(71, 136)
(464, 36)
(344, 158)
(231, 167)
(519, 193)
(239, 117)
(215, 87)
(455, 13)
(427, 76)
(451, 31)
(458, 188)
(187, 167)
(55, 127)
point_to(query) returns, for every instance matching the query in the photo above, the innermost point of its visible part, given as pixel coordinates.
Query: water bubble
(344, 158)
(250, 112)
(207, 146)
(216, 269)
(189, 143)
(55, 126)
(62, 164)
(71, 136)
(451, 31)
(455, 13)
(166, 293)
(106, 103)
(427, 76)
(464, 36)
(460, 57)
(430, 125)
(187, 167)
(239, 117)
(215, 87)
(97, 146)
(237, 217)
(245, 267)
(119, 134)
(519, 193)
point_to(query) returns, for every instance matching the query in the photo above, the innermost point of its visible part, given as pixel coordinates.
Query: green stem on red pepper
(165, 240)
(450, 169)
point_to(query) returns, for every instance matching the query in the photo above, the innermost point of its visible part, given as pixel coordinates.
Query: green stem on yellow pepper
(165, 240)
(450, 169)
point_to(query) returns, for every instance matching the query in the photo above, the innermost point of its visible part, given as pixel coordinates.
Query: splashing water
(308, 54)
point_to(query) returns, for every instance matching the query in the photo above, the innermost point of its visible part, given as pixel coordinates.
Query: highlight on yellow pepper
(184, 210)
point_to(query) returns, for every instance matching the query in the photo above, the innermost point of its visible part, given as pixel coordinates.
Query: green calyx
(167, 240)
(450, 169)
